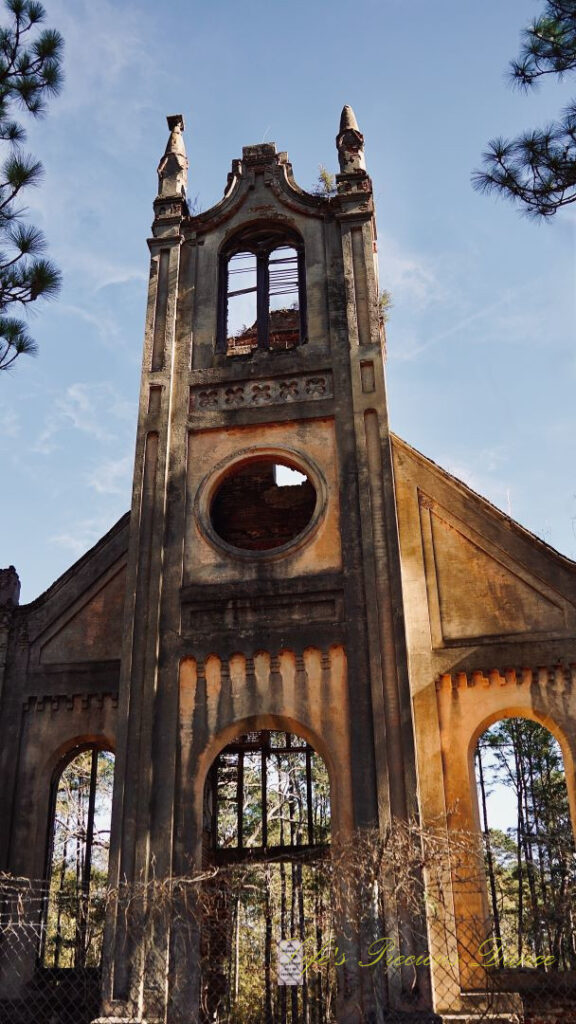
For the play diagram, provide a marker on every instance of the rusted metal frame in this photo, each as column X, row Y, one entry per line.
column 222, row 336
column 264, row 788
column 302, row 303
column 82, row 923
column 266, row 750
column 236, row 748
column 263, row 290
column 262, row 298
column 232, row 855
column 241, row 291
column 215, row 801
column 87, row 866
column 309, row 794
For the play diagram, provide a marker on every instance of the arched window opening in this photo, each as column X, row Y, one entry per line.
column 267, row 827
column 262, row 292
column 268, row 792
column 78, row 861
column 530, row 856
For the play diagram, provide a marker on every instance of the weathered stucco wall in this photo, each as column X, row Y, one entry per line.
column 212, row 453
column 60, row 691
column 491, row 633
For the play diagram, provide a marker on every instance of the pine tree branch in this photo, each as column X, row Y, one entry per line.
column 538, row 168
column 30, row 70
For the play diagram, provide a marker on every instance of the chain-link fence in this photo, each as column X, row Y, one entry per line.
column 382, row 930
column 32, row 923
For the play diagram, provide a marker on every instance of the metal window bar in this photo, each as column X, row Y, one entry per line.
column 82, row 923
column 230, row 768
column 268, row 275
column 234, row 271
column 283, row 274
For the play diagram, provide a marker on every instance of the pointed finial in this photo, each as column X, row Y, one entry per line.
column 348, row 119
column 173, row 167
column 350, row 144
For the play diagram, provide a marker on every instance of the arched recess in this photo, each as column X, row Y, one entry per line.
column 468, row 703
column 267, row 829
column 77, row 855
column 306, row 693
column 529, row 852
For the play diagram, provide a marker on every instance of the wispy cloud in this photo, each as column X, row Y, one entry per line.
column 82, row 535
column 112, row 476
column 88, row 408
column 487, row 475
column 411, row 278
column 105, row 322
column 102, row 272
column 517, row 316
column 455, row 329
column 10, row 426
column 106, row 43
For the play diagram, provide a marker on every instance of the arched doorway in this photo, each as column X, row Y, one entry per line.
column 529, row 851
column 267, row 830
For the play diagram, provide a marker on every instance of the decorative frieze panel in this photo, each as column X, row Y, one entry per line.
column 559, row 678
column 273, row 391
column 276, row 611
column 169, row 210
column 71, row 702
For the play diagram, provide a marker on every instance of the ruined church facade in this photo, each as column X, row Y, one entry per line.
column 378, row 609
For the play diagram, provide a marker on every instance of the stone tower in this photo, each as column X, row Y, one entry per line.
column 250, row 604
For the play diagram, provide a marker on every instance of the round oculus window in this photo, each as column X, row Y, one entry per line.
column 261, row 505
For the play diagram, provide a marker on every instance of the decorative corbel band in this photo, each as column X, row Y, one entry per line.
column 71, row 702
column 559, row 678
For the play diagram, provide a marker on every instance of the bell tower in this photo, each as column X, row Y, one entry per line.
column 263, row 586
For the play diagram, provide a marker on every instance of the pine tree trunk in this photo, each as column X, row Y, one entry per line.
column 269, row 1015
column 488, row 847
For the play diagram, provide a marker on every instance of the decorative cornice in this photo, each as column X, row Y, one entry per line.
column 558, row 678
column 71, row 702
column 277, row 176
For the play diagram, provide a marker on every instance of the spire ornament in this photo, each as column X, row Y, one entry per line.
column 350, row 144
column 173, row 167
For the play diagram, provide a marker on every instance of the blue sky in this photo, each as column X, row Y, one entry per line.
column 482, row 361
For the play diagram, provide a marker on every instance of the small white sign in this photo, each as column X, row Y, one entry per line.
column 289, row 957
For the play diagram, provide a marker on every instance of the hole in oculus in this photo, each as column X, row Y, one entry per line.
column 262, row 505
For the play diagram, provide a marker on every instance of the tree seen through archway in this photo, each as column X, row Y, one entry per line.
column 267, row 826
column 530, row 862
column 78, row 861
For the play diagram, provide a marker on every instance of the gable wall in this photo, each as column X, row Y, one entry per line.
column 490, row 617
column 60, row 691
